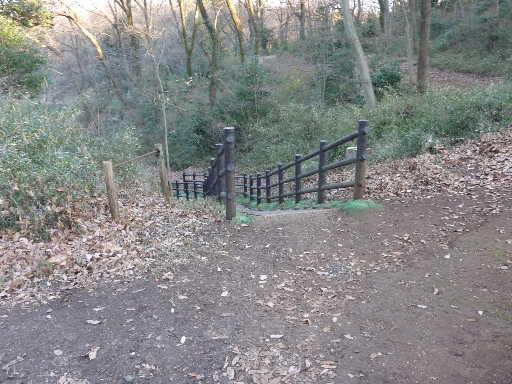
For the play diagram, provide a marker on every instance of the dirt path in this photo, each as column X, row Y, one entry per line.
column 419, row 292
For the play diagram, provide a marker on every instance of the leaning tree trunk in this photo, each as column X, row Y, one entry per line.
column 426, row 15
column 362, row 61
column 238, row 28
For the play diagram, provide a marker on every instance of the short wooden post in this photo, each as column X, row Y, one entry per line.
column 251, row 187
column 162, row 170
column 111, row 190
column 245, row 185
column 361, row 166
column 268, row 190
column 322, row 157
column 280, row 178
column 258, row 188
column 229, row 172
column 298, row 183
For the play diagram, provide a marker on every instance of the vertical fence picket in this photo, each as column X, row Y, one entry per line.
column 177, row 187
column 245, row 185
column 322, row 157
column 258, row 188
column 298, row 183
column 185, row 187
column 194, row 186
column 280, row 178
column 251, row 187
column 268, row 189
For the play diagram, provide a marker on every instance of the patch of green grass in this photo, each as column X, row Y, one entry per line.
column 354, row 207
column 350, row 207
column 241, row 219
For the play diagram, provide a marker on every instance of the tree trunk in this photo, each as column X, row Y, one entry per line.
column 215, row 48
column 384, row 15
column 424, row 48
column 410, row 42
column 302, row 20
column 238, row 28
column 188, row 45
column 362, row 61
column 73, row 18
column 253, row 26
column 414, row 28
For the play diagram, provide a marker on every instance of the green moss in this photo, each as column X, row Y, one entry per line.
column 355, row 207
column 241, row 220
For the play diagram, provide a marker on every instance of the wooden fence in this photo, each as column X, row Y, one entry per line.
column 277, row 185
column 111, row 185
column 284, row 182
column 191, row 186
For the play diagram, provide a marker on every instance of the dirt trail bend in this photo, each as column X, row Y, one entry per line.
column 419, row 292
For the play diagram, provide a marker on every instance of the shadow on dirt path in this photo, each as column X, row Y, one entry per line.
column 419, row 292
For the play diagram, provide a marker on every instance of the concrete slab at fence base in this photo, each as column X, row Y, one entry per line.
column 280, row 212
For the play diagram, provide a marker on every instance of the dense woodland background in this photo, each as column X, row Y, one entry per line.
column 80, row 84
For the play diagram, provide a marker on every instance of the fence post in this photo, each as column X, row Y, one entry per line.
column 207, row 181
column 194, row 185
column 280, row 178
column 162, row 170
column 245, row 185
column 111, row 190
column 251, row 187
column 185, row 186
column 361, row 165
column 220, row 168
column 211, row 183
column 322, row 157
column 268, row 190
column 258, row 188
column 177, row 186
column 229, row 172
column 298, row 171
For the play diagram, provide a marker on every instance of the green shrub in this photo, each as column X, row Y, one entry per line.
column 21, row 63
column 47, row 164
column 402, row 124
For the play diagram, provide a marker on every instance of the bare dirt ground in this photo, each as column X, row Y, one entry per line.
column 418, row 292
column 402, row 295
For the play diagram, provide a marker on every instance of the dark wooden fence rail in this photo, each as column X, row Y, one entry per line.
column 219, row 181
column 261, row 186
column 191, row 186
column 277, row 185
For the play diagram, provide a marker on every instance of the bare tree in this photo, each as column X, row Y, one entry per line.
column 238, row 28
column 362, row 61
column 384, row 15
column 127, row 8
column 73, row 18
column 188, row 43
column 214, row 52
column 424, row 48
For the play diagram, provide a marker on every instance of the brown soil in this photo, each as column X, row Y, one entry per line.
column 418, row 292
